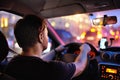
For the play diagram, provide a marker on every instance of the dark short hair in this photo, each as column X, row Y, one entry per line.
column 27, row 30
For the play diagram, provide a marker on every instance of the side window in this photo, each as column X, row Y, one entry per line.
column 7, row 22
column 49, row 46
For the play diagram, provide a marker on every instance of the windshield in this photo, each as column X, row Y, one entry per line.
column 79, row 28
column 71, row 28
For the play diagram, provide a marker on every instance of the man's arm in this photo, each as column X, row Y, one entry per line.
column 50, row 55
column 81, row 60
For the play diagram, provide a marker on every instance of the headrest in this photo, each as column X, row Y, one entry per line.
column 4, row 48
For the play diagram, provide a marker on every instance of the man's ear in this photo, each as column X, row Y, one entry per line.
column 41, row 37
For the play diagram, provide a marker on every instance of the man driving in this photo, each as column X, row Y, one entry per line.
column 32, row 36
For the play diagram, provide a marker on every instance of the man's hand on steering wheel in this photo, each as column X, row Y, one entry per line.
column 79, row 53
column 81, row 60
column 85, row 47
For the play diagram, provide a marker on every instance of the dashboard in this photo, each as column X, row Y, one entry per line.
column 109, row 66
column 109, row 71
column 111, row 56
column 103, row 64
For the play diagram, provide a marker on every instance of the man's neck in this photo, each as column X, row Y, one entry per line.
column 33, row 51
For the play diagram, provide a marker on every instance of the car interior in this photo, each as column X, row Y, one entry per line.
column 3, row 53
column 70, row 23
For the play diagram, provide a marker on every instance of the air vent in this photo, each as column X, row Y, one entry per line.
column 106, row 56
column 117, row 58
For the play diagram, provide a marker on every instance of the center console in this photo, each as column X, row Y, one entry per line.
column 109, row 71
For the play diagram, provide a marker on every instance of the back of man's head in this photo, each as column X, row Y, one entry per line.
column 27, row 30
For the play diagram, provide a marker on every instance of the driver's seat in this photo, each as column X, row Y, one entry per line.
column 4, row 76
column 4, row 49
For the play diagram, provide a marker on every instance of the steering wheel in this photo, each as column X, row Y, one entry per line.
column 73, row 51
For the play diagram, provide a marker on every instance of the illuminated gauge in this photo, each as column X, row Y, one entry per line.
column 92, row 55
column 106, row 56
column 117, row 57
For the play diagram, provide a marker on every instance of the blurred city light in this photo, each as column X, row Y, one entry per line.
column 82, row 36
column 90, row 38
column 4, row 22
column 92, row 29
column 53, row 23
column 112, row 32
column 99, row 35
column 116, row 37
column 78, row 38
column 67, row 25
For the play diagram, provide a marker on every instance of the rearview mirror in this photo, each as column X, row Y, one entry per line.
column 106, row 20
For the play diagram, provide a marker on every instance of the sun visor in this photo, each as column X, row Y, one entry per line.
column 62, row 11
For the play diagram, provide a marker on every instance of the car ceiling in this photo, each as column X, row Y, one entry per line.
column 55, row 8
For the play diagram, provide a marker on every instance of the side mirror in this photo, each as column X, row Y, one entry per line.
column 106, row 20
